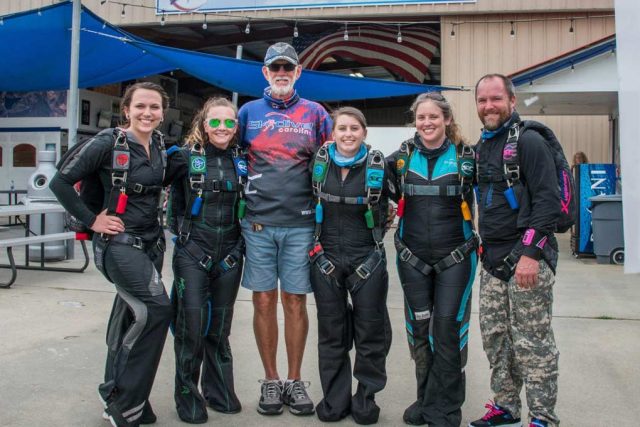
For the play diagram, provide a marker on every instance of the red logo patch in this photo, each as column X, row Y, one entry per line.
column 122, row 159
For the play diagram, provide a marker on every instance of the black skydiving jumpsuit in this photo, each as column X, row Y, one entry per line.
column 437, row 305
column 347, row 243
column 132, row 261
column 207, row 265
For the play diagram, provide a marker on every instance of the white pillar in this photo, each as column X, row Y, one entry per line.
column 234, row 98
column 628, row 39
column 72, row 99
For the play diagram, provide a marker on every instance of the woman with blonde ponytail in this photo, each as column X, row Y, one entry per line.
column 436, row 248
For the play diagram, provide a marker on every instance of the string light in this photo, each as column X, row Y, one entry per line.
column 512, row 33
column 204, row 23
column 162, row 20
column 295, row 29
column 124, row 12
column 1, row 21
column 346, row 32
column 573, row 68
column 399, row 34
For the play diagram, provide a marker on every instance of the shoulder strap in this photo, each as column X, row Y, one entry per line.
column 510, row 159
column 466, row 164
column 197, row 173
column 374, row 178
column 402, row 166
column 320, row 168
column 120, row 162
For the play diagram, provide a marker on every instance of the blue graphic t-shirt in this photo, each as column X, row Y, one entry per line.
column 281, row 137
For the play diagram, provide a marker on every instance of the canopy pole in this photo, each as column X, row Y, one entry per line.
column 72, row 102
column 234, row 97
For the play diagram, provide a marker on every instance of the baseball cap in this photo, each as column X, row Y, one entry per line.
column 281, row 50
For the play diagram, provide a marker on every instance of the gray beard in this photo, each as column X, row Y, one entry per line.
column 281, row 91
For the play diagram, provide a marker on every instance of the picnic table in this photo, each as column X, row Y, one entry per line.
column 31, row 238
column 12, row 199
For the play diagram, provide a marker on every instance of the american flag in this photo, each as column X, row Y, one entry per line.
column 371, row 45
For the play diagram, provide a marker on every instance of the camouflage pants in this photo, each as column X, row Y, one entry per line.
column 517, row 337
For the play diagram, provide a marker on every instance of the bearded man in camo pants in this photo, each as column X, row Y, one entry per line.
column 516, row 224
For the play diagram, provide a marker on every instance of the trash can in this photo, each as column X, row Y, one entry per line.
column 608, row 236
column 38, row 192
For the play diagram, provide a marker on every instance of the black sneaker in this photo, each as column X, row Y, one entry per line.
column 296, row 397
column 148, row 416
column 496, row 416
column 537, row 423
column 270, row 397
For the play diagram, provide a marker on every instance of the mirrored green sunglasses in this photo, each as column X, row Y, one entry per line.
column 228, row 123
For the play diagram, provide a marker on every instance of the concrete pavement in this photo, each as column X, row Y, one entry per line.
column 52, row 352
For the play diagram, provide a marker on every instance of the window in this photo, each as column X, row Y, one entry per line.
column 24, row 156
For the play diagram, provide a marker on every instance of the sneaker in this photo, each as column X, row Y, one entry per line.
column 537, row 423
column 296, row 397
column 496, row 416
column 270, row 397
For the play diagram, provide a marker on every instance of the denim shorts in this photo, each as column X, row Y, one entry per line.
column 277, row 253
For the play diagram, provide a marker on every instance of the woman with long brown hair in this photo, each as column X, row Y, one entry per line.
column 436, row 248
column 126, row 167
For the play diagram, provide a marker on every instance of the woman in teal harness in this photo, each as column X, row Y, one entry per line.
column 206, row 196
column 348, row 259
column 436, row 257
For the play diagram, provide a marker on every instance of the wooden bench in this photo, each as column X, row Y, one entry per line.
column 34, row 240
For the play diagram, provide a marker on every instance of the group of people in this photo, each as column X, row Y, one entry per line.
column 281, row 196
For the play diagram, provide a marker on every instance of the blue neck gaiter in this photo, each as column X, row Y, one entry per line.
column 280, row 104
column 489, row 134
column 346, row 162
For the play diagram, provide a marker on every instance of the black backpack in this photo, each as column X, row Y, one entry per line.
column 566, row 185
column 91, row 191
column 90, row 188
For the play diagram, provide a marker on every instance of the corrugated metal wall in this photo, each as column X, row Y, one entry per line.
column 480, row 47
column 137, row 15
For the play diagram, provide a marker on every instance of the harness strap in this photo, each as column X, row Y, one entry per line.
column 456, row 256
column 361, row 274
column 317, row 256
column 365, row 270
column 120, row 162
column 134, row 187
column 405, row 255
column 217, row 186
column 361, row 200
column 510, row 161
column 491, row 178
column 134, row 241
column 206, row 262
column 431, row 190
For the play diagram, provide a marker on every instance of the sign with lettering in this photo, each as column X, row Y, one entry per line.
column 189, row 6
